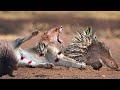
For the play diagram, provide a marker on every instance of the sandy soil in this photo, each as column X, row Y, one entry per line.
column 70, row 23
column 59, row 72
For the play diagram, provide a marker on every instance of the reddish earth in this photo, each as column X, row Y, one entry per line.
column 104, row 27
column 59, row 72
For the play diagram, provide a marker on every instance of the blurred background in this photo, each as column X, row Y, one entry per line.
column 15, row 24
column 105, row 23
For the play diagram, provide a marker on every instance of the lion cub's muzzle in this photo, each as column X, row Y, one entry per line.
column 41, row 54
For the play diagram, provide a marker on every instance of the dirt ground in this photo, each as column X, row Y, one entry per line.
column 59, row 72
column 107, row 29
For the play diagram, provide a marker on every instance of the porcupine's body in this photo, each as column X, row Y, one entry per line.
column 8, row 60
column 86, row 48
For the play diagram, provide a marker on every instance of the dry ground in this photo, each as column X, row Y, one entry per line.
column 107, row 26
column 59, row 72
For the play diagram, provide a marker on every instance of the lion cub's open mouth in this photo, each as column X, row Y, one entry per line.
column 41, row 54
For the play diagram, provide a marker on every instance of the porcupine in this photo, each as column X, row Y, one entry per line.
column 85, row 47
column 8, row 60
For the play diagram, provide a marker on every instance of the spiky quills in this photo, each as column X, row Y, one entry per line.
column 85, row 47
column 79, row 44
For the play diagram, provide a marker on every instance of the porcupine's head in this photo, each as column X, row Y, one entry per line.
column 86, row 48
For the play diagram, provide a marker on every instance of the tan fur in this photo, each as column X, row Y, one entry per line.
column 51, row 35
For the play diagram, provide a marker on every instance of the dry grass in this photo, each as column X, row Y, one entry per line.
column 114, row 15
column 13, row 15
column 14, row 24
column 8, row 37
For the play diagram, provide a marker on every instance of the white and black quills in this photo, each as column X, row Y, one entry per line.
column 8, row 60
column 86, row 48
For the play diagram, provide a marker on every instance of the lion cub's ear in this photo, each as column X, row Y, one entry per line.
column 56, row 29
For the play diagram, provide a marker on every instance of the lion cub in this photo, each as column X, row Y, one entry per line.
column 52, row 37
